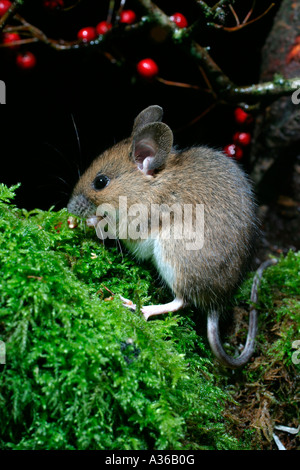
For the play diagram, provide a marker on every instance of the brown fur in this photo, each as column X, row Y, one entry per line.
column 198, row 175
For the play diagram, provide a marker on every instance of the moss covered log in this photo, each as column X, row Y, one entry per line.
column 82, row 371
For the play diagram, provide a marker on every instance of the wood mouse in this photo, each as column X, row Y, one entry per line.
column 147, row 170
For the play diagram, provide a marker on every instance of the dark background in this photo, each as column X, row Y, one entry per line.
column 74, row 104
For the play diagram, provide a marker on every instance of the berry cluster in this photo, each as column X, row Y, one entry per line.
column 241, row 139
column 89, row 33
column 146, row 68
column 24, row 60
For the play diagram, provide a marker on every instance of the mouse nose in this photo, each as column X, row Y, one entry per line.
column 81, row 206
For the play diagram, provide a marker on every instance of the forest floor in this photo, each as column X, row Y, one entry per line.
column 266, row 393
column 281, row 221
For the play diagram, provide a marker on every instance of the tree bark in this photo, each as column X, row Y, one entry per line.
column 277, row 131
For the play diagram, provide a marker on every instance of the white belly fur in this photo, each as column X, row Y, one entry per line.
column 150, row 249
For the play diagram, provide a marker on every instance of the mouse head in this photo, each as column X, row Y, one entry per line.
column 127, row 168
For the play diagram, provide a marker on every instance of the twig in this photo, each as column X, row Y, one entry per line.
column 197, row 118
column 241, row 25
column 19, row 42
column 106, row 288
column 10, row 12
column 221, row 3
column 217, row 77
column 249, row 12
column 122, row 4
column 234, row 14
column 111, row 8
column 205, row 8
column 252, row 21
column 207, row 82
column 74, row 5
column 182, row 85
column 39, row 278
column 41, row 36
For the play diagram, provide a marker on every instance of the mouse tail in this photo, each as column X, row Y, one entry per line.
column 213, row 332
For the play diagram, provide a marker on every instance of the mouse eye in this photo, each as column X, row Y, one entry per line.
column 100, row 182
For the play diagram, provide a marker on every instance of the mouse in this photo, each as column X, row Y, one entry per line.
column 191, row 212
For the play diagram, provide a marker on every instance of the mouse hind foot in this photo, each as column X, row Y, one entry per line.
column 152, row 310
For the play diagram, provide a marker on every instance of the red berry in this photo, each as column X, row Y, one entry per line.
column 242, row 138
column 53, row 4
column 147, row 68
column 4, row 6
column 103, row 27
column 10, row 37
column 58, row 227
column 233, row 150
column 179, row 19
column 87, row 34
column 242, row 117
column 127, row 16
column 26, row 60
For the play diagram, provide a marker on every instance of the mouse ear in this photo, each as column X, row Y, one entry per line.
column 147, row 116
column 151, row 146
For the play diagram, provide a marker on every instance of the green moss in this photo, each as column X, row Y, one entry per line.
column 82, row 371
column 279, row 306
column 267, row 390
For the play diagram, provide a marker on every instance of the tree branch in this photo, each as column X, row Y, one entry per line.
column 244, row 23
column 279, row 87
column 222, row 88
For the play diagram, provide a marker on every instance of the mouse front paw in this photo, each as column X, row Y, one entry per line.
column 128, row 303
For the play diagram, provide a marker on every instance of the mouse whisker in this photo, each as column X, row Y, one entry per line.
column 117, row 241
column 118, row 244
column 79, row 145
column 61, row 154
column 61, row 179
column 50, row 185
column 56, row 202
column 102, row 236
